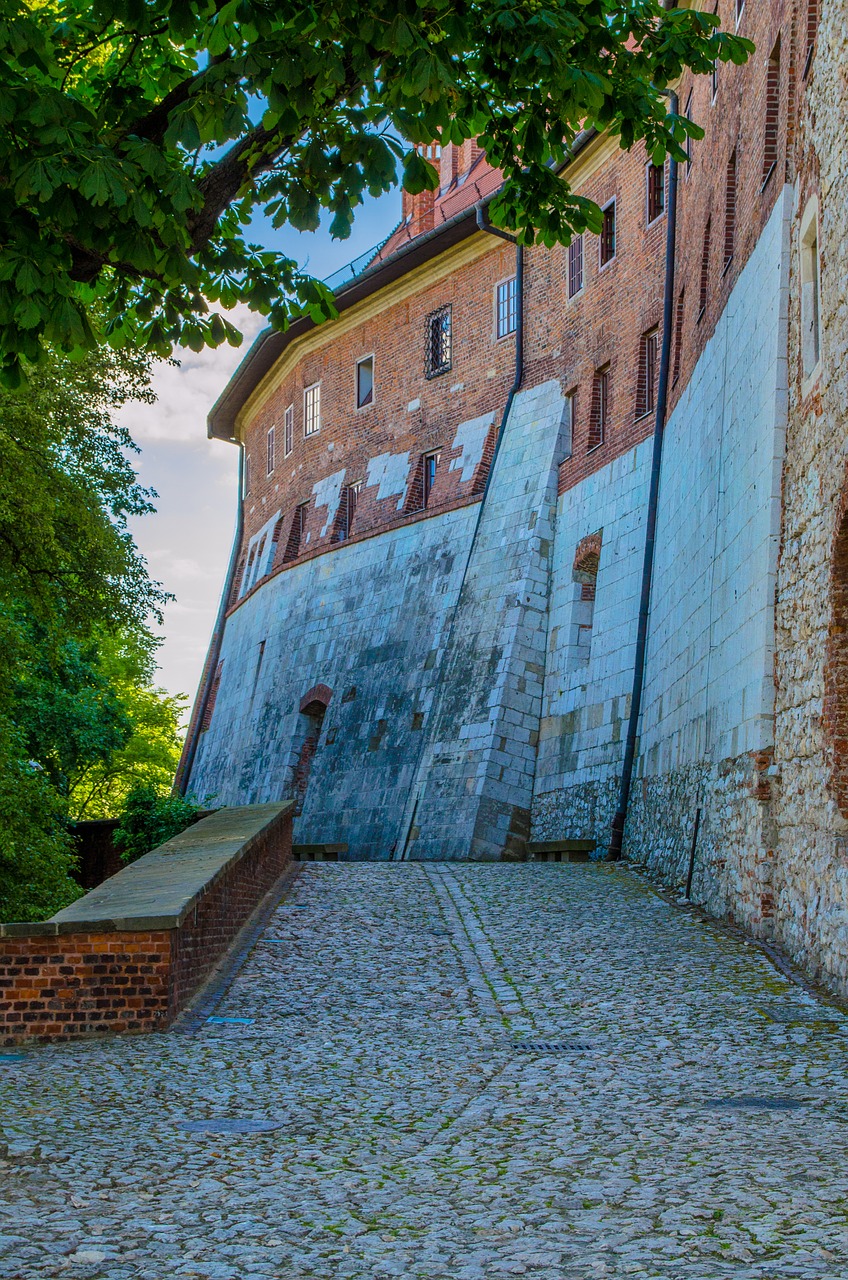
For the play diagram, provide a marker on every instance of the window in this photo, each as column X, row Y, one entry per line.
column 347, row 511
column 364, row 382
column 770, row 131
column 812, row 28
column 270, row 448
column 431, row 466
column 655, row 183
column 705, row 269
column 688, row 148
column 585, row 576
column 298, row 528
column 312, row 409
column 678, row 334
column 646, row 389
column 247, row 477
column 608, row 244
column 714, row 82
column 288, row 430
column 437, row 357
column 567, row 423
column 740, row 9
column 506, row 308
column 730, row 211
column 599, row 413
column 575, row 266
column 810, row 282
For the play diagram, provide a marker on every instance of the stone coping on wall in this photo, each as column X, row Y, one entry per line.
column 160, row 889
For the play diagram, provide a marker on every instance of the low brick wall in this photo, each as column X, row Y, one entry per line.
column 129, row 955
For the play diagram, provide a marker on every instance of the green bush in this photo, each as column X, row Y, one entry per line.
column 149, row 819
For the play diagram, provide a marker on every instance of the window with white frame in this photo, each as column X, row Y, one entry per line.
column 312, row 410
column 506, row 308
column 271, row 449
column 288, row 430
column 810, row 289
column 364, row 382
column 575, row 266
column 655, row 191
column 608, row 241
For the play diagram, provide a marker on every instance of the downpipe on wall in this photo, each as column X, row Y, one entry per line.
column 485, row 226
column 620, row 818
column 183, row 776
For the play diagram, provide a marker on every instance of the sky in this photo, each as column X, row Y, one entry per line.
column 187, row 542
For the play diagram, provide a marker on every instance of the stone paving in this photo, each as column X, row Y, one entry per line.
column 688, row 1119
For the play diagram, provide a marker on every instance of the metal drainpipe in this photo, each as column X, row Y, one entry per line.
column 190, row 750
column 617, row 833
column 516, row 386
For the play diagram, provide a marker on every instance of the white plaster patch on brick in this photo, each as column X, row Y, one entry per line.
column 390, row 472
column 327, row 494
column 471, row 439
column 260, row 553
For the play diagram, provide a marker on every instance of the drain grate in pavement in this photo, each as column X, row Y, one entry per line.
column 550, row 1046
column 227, row 1124
column 755, row 1102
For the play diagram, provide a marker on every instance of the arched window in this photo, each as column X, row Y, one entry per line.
column 587, row 559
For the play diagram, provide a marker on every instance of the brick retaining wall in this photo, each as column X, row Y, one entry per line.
column 82, row 973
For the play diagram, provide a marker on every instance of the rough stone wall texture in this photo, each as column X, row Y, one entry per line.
column 811, row 863
column 365, row 621
column 472, row 792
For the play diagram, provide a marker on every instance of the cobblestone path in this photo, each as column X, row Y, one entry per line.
column 691, row 1122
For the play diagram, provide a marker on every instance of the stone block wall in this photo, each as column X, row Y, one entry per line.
column 83, row 973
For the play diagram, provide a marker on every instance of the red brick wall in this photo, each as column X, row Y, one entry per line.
column 58, row 986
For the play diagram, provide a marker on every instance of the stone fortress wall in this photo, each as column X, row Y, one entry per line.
column 451, row 678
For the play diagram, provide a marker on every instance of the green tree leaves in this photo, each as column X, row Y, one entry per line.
column 139, row 138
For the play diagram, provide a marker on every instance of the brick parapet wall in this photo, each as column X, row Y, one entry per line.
column 59, row 980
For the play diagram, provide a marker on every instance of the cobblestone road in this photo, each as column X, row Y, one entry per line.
column 693, row 1121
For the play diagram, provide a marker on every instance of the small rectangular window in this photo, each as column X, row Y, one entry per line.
column 678, row 334
column 688, row 144
column 347, row 510
column 655, row 183
column 730, row 211
column 247, row 475
column 772, row 120
column 575, row 266
column 430, row 468
column 270, row 449
column 704, row 283
column 439, row 345
column 364, row 382
column 599, row 415
column 608, row 241
column 646, row 394
column 312, row 410
column 740, row 9
column 296, row 532
column 506, row 308
column 714, row 82
column 288, row 430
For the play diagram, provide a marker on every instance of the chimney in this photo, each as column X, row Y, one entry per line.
column 451, row 163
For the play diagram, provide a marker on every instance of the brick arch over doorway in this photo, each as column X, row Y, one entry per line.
column 313, row 708
column 835, row 717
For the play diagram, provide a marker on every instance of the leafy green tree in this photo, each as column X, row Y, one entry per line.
column 139, row 137
column 149, row 819
column 149, row 755
column 71, row 583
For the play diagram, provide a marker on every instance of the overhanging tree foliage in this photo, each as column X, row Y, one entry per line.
column 139, row 137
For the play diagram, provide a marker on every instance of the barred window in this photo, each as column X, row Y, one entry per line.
column 678, row 334
column 271, row 447
column 655, row 181
column 575, row 266
column 364, row 382
column 599, row 413
column 506, row 308
column 705, row 269
column 288, row 430
column 730, row 211
column 608, row 244
column 646, row 393
column 438, row 354
column 312, row 409
column 771, row 133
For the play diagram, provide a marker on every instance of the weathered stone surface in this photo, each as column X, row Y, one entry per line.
column 700, row 1136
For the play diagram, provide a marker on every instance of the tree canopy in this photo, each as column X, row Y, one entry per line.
column 138, row 138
